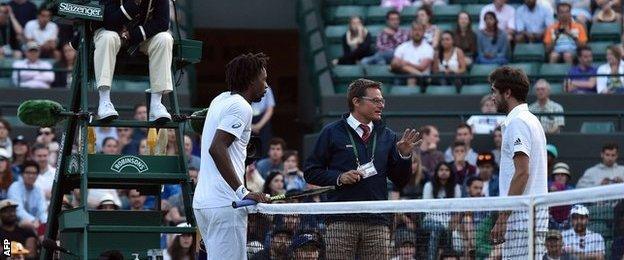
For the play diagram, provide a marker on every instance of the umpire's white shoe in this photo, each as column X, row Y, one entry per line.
column 107, row 112
column 158, row 114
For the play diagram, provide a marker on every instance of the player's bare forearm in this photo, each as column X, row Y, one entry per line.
column 218, row 150
column 521, row 176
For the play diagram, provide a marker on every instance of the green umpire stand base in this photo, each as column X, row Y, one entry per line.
column 109, row 230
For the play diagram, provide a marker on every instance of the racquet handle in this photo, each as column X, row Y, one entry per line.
column 243, row 203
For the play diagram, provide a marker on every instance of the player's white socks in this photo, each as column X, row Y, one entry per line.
column 156, row 98
column 104, row 94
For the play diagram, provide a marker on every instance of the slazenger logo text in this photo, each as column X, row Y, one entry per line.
column 81, row 9
column 129, row 161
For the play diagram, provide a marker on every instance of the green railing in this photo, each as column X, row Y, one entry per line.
column 463, row 116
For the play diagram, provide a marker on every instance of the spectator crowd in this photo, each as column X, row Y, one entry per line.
column 423, row 48
column 28, row 167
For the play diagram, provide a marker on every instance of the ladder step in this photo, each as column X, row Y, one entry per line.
column 139, row 229
column 135, row 178
column 134, row 124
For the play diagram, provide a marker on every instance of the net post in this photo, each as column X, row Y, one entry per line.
column 531, row 227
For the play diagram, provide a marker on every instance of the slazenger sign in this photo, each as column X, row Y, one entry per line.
column 129, row 161
column 81, row 10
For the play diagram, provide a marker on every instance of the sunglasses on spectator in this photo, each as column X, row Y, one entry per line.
column 484, row 157
column 582, row 243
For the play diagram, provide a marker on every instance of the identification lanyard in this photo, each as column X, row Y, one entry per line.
column 355, row 152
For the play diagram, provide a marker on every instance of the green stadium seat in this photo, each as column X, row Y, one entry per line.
column 367, row 2
column 446, row 27
column 529, row 68
column 474, row 10
column 6, row 82
column 441, row 90
column 377, row 14
column 136, row 86
column 334, row 51
column 341, row 14
column 405, row 90
column 315, row 41
column 374, row 30
column 408, row 14
column 338, row 2
column 556, row 88
column 6, row 64
column 599, row 50
column 347, row 73
column 605, row 32
column 334, row 33
column 597, row 127
column 528, row 52
column 14, row 121
column 320, row 62
column 311, row 22
column 379, row 73
column 445, row 13
column 341, row 88
column 477, row 89
column 554, row 72
column 480, row 72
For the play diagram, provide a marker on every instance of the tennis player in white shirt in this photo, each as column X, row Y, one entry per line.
column 523, row 159
column 226, row 133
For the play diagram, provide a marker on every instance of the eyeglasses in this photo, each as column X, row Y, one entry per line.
column 376, row 101
column 45, row 133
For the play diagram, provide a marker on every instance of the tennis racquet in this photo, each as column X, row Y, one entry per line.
column 294, row 195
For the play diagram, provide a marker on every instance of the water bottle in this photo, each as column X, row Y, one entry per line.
column 155, row 254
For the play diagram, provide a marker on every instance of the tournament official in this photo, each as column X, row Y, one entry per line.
column 358, row 153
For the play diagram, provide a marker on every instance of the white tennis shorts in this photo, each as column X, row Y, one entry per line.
column 224, row 231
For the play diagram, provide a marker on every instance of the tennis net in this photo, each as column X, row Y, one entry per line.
column 580, row 223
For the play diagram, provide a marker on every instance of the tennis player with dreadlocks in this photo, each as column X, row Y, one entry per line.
column 226, row 133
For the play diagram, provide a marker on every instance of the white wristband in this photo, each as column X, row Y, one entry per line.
column 241, row 192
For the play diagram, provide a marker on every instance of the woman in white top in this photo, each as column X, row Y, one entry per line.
column 424, row 15
column 442, row 186
column 614, row 66
column 450, row 60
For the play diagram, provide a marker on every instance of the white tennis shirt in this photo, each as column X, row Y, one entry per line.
column 522, row 132
column 230, row 113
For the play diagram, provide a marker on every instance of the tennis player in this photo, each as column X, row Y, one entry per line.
column 226, row 133
column 523, row 158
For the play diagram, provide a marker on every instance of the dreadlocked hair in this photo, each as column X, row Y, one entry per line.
column 241, row 71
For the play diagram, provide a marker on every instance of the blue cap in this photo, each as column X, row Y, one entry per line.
column 303, row 240
column 552, row 150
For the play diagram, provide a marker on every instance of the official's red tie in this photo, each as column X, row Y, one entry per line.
column 366, row 134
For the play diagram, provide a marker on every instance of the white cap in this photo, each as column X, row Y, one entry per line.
column 107, row 199
column 579, row 209
column 4, row 153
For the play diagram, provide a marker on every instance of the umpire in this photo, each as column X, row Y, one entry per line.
column 134, row 24
column 357, row 154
